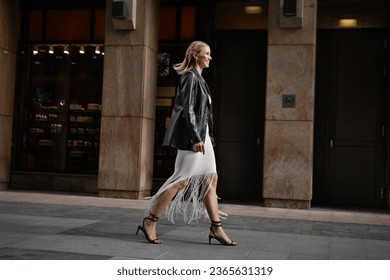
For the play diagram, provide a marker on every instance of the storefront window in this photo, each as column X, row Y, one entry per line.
column 60, row 109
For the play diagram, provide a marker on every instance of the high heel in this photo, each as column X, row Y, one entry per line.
column 153, row 218
column 216, row 237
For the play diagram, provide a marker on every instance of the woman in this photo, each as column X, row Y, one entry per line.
column 194, row 182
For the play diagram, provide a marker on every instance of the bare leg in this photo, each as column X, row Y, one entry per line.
column 211, row 203
column 211, row 200
column 163, row 200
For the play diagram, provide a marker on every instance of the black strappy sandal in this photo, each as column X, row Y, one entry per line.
column 153, row 218
column 213, row 235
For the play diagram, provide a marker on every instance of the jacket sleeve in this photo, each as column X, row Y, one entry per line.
column 189, row 91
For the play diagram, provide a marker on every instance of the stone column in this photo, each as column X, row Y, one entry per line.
column 128, row 104
column 9, row 10
column 288, row 151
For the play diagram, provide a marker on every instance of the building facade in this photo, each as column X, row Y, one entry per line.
column 300, row 92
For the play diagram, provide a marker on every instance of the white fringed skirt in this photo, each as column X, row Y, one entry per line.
column 199, row 170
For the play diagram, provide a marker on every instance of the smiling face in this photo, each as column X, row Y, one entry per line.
column 203, row 58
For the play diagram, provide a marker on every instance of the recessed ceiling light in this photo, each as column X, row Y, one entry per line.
column 348, row 22
column 253, row 10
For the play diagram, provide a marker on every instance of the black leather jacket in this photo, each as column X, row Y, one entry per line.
column 192, row 113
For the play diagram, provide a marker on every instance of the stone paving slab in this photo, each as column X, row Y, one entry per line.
column 31, row 254
column 31, row 230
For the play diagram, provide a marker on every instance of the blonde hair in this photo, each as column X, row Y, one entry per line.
column 189, row 59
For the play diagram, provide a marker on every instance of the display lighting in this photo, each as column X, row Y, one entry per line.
column 82, row 49
column 66, row 50
column 253, row 10
column 348, row 22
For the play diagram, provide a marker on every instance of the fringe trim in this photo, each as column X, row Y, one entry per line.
column 188, row 202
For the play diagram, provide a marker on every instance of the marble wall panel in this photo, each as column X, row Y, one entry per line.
column 150, row 84
column 125, row 37
column 7, row 82
column 5, row 148
column 9, row 24
column 152, row 22
column 292, row 36
column 146, row 155
column 290, row 70
column 9, row 28
column 130, row 81
column 146, row 31
column 288, row 160
column 123, row 81
column 119, row 155
column 288, row 144
column 128, row 105
column 126, row 157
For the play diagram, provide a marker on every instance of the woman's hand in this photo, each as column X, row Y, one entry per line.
column 200, row 147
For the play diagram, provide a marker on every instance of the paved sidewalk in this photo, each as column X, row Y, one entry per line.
column 44, row 226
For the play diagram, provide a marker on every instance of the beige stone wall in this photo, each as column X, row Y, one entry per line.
column 128, row 105
column 8, row 47
column 288, row 151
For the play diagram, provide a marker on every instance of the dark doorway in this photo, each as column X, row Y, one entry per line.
column 349, row 142
column 240, row 62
